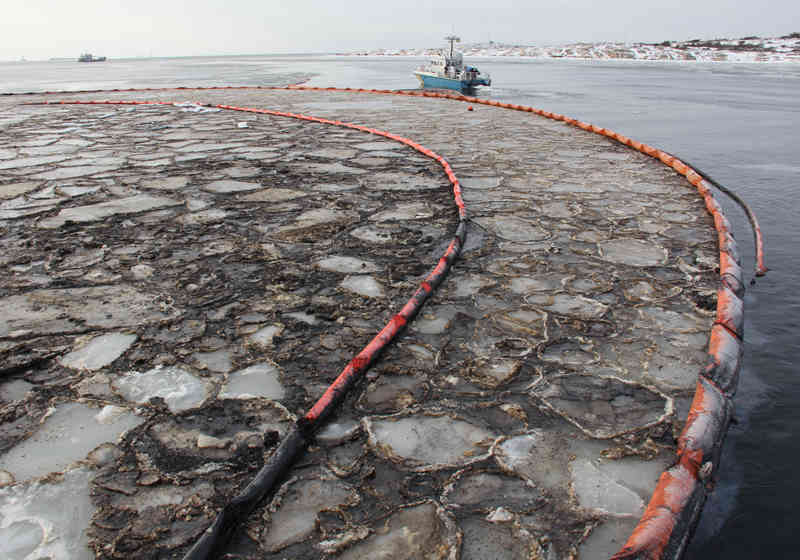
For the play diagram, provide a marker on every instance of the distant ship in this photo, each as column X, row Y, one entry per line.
column 86, row 57
column 450, row 72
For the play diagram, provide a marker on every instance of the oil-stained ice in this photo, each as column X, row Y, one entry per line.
column 258, row 380
column 335, row 433
column 99, row 352
column 392, row 393
column 486, row 491
column 512, row 419
column 363, row 285
column 41, row 520
column 218, row 360
column 387, row 181
column 373, row 234
column 67, row 435
column 563, row 304
column 607, row 538
column 295, row 512
column 604, row 407
column 96, row 212
column 409, row 211
column 597, row 491
column 274, row 195
column 484, row 539
column 633, row 252
column 180, row 389
column 536, row 457
column 226, row 186
column 347, row 265
column 73, row 310
column 512, row 228
column 419, row 531
column 425, row 441
column 316, row 217
column 265, row 337
column 14, row 389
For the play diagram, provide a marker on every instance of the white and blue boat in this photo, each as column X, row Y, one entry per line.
column 450, row 72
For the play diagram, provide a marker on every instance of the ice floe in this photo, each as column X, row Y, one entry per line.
column 66, row 435
column 99, row 351
column 180, row 389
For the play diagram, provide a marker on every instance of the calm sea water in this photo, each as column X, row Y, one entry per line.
column 738, row 122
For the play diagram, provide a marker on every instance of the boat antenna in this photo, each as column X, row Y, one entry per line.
column 452, row 39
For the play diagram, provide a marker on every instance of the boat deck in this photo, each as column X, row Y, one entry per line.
column 196, row 284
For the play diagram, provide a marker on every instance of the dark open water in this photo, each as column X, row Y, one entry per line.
column 738, row 122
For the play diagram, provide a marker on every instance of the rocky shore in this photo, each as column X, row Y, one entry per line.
column 182, row 283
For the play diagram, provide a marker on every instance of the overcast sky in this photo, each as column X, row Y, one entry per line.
column 41, row 29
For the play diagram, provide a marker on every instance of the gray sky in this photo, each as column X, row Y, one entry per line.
column 40, row 29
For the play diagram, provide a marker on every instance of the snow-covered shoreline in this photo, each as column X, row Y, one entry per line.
column 748, row 49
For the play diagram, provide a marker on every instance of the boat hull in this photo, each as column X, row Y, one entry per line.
column 438, row 82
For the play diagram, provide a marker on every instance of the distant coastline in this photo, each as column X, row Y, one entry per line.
column 746, row 49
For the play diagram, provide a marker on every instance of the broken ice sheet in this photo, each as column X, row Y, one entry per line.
column 303, row 317
column 406, row 211
column 67, row 435
column 13, row 190
column 180, row 389
column 335, row 433
column 47, row 520
column 512, row 228
column 257, row 380
column 266, row 337
column 95, row 212
column 468, row 286
column 425, row 441
column 162, row 495
column 373, row 234
column 392, row 393
column 483, row 539
column 536, row 456
column 74, row 309
column 608, row 538
column 603, row 407
column 363, row 285
column 429, row 323
column 671, row 321
column 493, row 373
column 416, row 531
column 227, row 186
column 597, row 491
column 99, row 352
column 565, row 304
column 316, row 217
column 347, row 265
column 218, row 361
column 633, row 252
column 14, row 389
column 166, row 183
column 294, row 514
column 20, row 207
column 391, row 181
column 484, row 491
column 274, row 195
column 203, row 217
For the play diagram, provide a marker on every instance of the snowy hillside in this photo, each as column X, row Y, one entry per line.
column 748, row 49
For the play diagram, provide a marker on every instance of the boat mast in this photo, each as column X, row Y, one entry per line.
column 452, row 39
